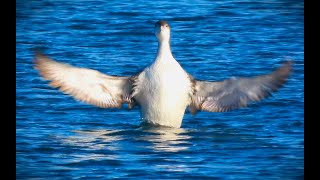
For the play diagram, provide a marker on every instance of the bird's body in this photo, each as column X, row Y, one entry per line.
column 162, row 90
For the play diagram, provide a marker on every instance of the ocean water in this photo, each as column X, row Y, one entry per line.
column 60, row 138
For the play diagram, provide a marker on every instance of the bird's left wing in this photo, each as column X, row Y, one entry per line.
column 87, row 85
column 236, row 92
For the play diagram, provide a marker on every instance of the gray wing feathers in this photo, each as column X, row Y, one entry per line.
column 237, row 92
column 86, row 85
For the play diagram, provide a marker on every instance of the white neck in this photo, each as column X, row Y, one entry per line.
column 164, row 51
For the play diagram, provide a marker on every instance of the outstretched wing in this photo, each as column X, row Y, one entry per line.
column 86, row 85
column 237, row 92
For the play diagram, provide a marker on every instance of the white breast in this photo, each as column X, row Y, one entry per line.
column 164, row 93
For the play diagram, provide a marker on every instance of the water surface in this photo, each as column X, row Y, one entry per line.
column 61, row 138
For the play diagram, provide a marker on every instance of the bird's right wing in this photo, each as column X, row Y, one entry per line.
column 236, row 92
column 86, row 85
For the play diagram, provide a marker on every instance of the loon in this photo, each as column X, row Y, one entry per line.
column 163, row 90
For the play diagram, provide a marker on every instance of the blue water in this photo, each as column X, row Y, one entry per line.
column 58, row 137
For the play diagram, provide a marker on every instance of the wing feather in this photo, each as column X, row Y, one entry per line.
column 237, row 92
column 87, row 85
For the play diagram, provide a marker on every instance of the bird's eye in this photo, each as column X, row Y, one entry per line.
column 166, row 25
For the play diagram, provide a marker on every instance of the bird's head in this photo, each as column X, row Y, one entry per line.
column 162, row 31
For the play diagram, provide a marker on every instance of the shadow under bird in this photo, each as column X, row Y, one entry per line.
column 162, row 90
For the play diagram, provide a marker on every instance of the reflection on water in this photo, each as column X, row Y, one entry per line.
column 104, row 146
column 162, row 139
column 167, row 139
column 93, row 139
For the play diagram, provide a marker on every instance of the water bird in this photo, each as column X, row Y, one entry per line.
column 164, row 90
